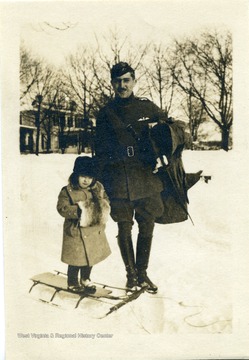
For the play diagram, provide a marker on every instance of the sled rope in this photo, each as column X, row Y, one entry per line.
column 199, row 312
column 180, row 303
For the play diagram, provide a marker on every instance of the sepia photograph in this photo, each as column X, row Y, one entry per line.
column 125, row 179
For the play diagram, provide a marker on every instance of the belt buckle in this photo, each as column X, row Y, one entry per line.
column 130, row 151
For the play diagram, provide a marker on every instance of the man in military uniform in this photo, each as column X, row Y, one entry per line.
column 127, row 160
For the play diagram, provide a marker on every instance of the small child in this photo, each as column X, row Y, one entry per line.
column 85, row 206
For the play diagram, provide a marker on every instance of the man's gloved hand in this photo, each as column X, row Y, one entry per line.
column 160, row 162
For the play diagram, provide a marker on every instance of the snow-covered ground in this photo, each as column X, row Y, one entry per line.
column 192, row 265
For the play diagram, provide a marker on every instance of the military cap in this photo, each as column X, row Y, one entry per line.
column 120, row 69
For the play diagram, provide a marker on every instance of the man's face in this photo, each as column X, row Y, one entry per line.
column 123, row 85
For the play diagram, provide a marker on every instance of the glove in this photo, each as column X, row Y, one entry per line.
column 160, row 162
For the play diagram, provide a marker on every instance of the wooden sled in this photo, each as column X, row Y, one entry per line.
column 58, row 281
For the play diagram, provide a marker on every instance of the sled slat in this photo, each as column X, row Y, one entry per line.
column 59, row 283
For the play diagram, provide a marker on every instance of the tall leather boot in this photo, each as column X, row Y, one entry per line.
column 127, row 253
column 142, row 261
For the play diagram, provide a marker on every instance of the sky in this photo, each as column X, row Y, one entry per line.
column 156, row 21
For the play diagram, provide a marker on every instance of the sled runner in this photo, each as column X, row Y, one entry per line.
column 58, row 281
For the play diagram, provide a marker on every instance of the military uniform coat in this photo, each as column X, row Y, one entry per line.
column 84, row 245
column 124, row 149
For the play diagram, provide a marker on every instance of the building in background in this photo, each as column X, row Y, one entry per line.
column 60, row 131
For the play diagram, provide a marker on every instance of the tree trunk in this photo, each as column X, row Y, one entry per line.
column 225, row 139
column 37, row 140
column 48, row 145
column 38, row 129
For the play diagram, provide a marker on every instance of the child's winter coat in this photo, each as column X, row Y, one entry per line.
column 86, row 244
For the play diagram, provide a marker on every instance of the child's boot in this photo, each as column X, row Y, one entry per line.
column 85, row 281
column 72, row 279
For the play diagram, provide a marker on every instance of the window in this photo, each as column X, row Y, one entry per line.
column 70, row 121
column 79, row 122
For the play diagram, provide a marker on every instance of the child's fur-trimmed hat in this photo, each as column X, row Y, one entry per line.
column 84, row 165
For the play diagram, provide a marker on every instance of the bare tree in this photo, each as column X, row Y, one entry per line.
column 203, row 68
column 160, row 82
column 111, row 49
column 58, row 107
column 30, row 69
column 195, row 114
column 40, row 86
column 52, row 116
column 46, row 91
column 80, row 80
